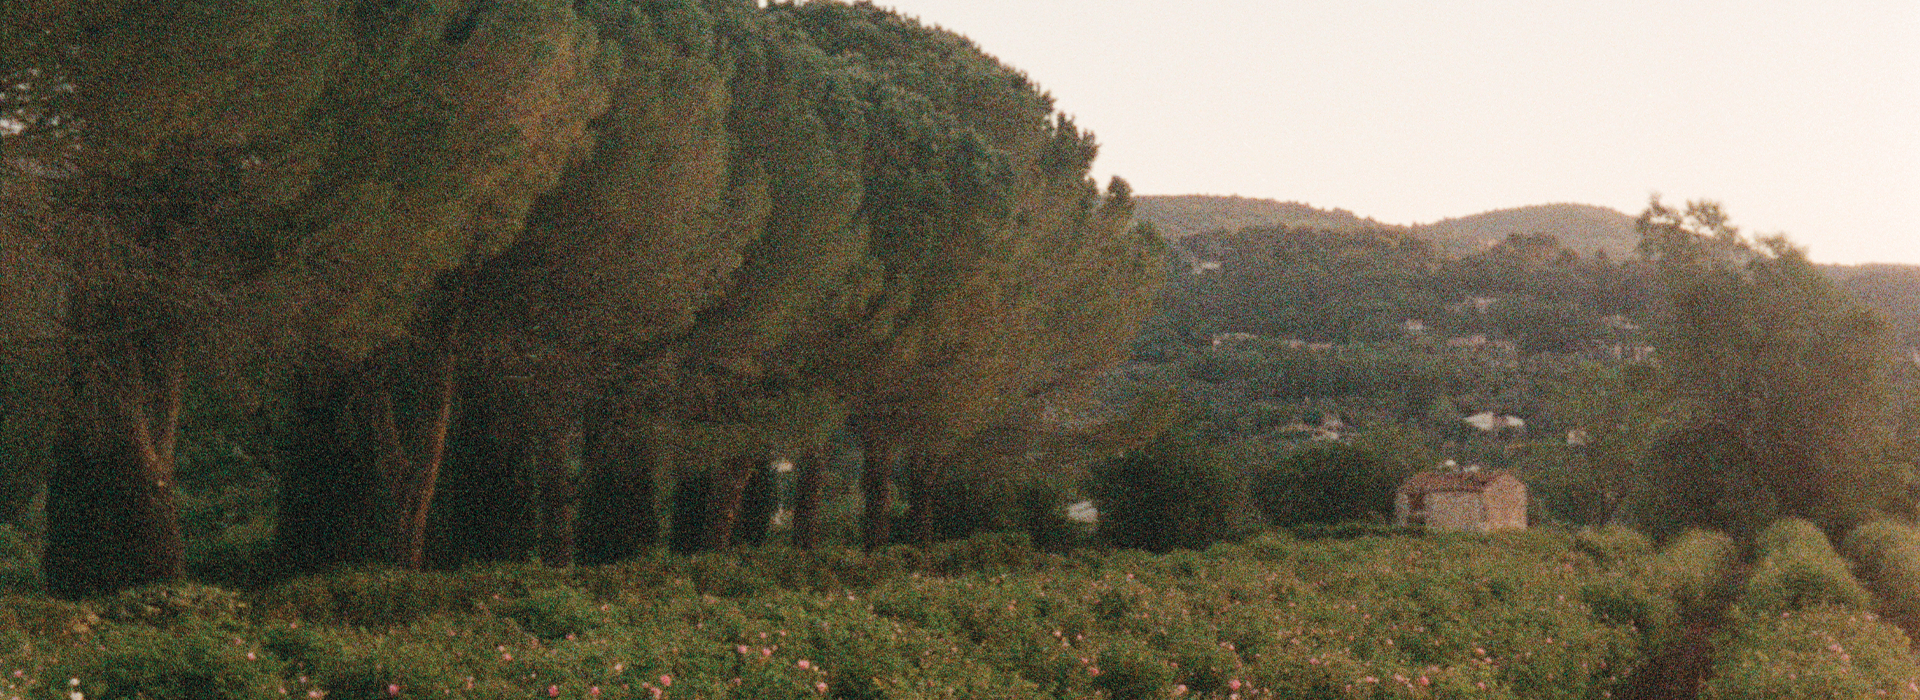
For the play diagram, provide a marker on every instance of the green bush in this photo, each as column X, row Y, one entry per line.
column 176, row 603
column 1693, row 567
column 1327, row 484
column 1174, row 493
column 990, row 552
column 1348, row 531
column 143, row 663
column 1040, row 509
column 1612, row 543
column 1500, row 616
column 1129, row 670
column 1818, row 652
column 1886, row 554
column 1798, row 568
column 554, row 613
column 19, row 562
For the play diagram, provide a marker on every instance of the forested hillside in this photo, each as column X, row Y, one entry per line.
column 1337, row 362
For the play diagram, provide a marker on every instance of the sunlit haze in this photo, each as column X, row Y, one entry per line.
column 1803, row 118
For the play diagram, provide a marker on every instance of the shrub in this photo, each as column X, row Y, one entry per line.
column 1348, row 531
column 143, row 663
column 1799, row 569
column 1613, row 543
column 554, row 613
column 1040, row 509
column 1693, row 567
column 19, row 562
column 1173, row 493
column 1327, row 484
column 1130, row 671
column 1818, row 652
column 994, row 552
column 43, row 617
column 175, row 603
column 1887, row 556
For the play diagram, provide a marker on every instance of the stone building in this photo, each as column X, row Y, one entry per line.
column 1473, row 501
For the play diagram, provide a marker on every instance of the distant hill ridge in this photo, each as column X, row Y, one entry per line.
column 1179, row 216
column 1581, row 227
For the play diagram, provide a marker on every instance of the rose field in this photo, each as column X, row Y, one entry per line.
column 1384, row 615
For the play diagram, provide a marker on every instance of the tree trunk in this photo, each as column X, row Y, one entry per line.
column 619, row 512
column 330, row 502
column 485, row 507
column 876, row 481
column 729, row 491
column 809, row 488
column 415, row 476
column 111, row 516
column 358, row 489
column 757, row 507
column 692, row 508
column 559, row 495
column 920, row 475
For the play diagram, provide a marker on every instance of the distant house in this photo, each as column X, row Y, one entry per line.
column 1327, row 431
column 1490, row 422
column 1471, row 501
column 1233, row 339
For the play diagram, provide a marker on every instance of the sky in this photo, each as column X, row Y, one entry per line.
column 1801, row 118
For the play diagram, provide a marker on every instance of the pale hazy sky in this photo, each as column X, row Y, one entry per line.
column 1801, row 117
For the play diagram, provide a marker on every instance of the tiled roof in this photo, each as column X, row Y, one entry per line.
column 1428, row 482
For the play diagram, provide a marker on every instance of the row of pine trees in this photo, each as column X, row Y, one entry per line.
column 489, row 264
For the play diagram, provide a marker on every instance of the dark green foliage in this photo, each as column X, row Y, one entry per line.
column 1612, row 543
column 1784, row 377
column 19, row 562
column 1797, row 569
column 1175, row 492
column 554, row 613
column 1133, row 672
column 988, row 618
column 142, row 663
column 461, row 266
column 1359, row 285
column 1886, row 557
column 1326, row 485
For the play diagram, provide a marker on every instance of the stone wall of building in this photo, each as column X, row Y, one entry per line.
column 1506, row 505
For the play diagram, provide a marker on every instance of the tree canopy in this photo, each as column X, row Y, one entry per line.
column 539, row 251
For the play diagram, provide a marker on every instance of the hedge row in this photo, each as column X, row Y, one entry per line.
column 1803, row 628
column 1511, row 616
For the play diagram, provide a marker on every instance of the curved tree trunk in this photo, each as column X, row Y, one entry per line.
column 365, row 463
column 111, row 516
column 415, row 475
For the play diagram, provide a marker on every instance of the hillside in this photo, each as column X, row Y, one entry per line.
column 1891, row 289
column 1178, row 216
column 1581, row 227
